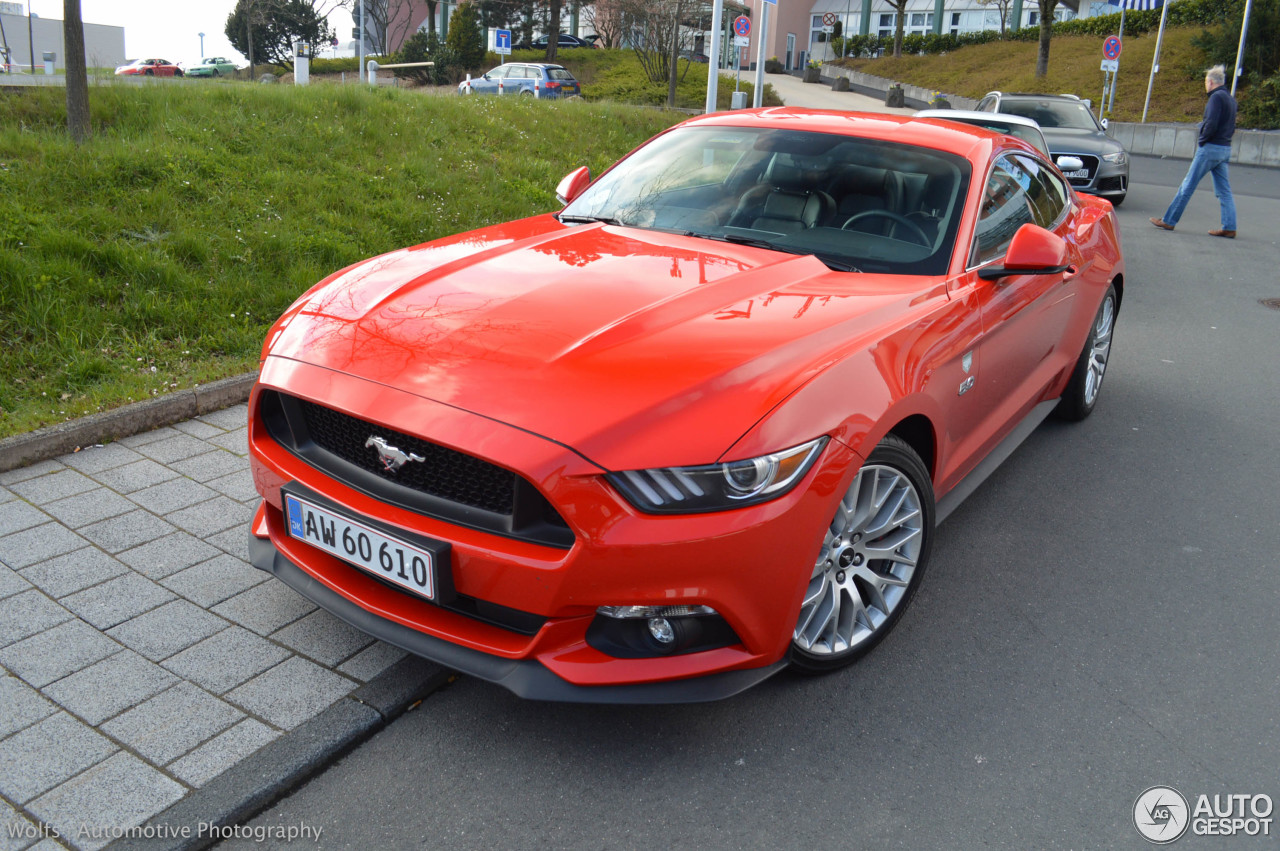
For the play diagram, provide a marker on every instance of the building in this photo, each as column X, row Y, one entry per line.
column 103, row 45
column 796, row 31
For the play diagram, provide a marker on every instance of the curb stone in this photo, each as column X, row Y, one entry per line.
column 52, row 441
column 266, row 776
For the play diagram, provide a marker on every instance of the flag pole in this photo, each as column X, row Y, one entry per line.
column 1244, row 31
column 1155, row 60
column 1111, row 104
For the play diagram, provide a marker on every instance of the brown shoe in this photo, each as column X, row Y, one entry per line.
column 1229, row 234
column 1162, row 224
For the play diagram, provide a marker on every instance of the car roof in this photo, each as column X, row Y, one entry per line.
column 957, row 138
column 1037, row 95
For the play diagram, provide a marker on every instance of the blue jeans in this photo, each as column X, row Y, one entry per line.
column 1209, row 159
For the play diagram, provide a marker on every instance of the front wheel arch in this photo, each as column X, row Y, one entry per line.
column 870, row 562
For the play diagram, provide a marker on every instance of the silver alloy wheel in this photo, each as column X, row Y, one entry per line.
column 868, row 557
column 1100, row 350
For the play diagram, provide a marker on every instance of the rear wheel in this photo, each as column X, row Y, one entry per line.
column 1086, row 380
column 872, row 560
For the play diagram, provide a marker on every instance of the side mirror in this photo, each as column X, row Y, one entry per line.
column 1033, row 251
column 1066, row 163
column 573, row 184
column 1105, row 123
column 486, row 75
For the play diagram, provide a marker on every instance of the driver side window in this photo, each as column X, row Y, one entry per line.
column 1005, row 208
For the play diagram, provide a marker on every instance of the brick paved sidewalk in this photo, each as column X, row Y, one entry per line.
column 141, row 654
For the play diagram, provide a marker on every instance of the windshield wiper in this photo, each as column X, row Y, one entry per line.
column 588, row 219
column 837, row 265
column 754, row 241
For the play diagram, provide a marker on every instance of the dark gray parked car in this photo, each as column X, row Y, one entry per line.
column 1071, row 129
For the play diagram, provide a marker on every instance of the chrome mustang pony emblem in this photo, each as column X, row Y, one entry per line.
column 392, row 458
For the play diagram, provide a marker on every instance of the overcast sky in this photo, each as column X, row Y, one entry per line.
column 169, row 29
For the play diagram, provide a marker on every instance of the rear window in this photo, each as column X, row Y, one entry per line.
column 559, row 74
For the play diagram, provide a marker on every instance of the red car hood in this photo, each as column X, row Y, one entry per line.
column 635, row 348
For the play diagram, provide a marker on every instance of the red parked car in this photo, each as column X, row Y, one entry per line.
column 149, row 68
column 696, row 426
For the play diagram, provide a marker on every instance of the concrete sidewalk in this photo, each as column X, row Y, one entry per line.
column 820, row 96
column 143, row 657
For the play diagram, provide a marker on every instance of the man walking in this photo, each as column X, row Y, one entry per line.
column 1211, row 157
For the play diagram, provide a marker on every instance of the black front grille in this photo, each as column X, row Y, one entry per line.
column 1090, row 165
column 443, row 472
column 445, row 483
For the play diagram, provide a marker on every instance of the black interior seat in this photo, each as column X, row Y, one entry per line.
column 862, row 189
column 784, row 202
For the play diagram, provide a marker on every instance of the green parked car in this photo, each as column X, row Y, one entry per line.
column 214, row 66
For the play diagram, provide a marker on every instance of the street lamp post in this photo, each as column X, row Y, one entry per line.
column 201, row 45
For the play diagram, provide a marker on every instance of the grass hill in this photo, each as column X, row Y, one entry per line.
column 1177, row 95
column 156, row 255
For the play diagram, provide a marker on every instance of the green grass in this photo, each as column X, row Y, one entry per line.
column 1178, row 93
column 156, row 255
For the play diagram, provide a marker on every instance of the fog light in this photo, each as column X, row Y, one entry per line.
column 662, row 631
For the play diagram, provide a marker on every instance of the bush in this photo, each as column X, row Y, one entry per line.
column 1260, row 105
column 426, row 47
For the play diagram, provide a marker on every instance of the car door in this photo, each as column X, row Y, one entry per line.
column 1024, row 317
column 524, row 83
column 487, row 84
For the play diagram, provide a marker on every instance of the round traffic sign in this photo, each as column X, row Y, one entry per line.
column 1111, row 47
column 829, row 19
column 742, row 25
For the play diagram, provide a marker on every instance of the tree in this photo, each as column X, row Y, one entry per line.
column 610, row 19
column 390, row 22
column 265, row 30
column 1046, row 33
column 77, row 74
column 1003, row 7
column 900, row 6
column 1261, row 49
column 464, row 39
column 553, row 30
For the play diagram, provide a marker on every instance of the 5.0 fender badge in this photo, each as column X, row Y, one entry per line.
column 392, row 458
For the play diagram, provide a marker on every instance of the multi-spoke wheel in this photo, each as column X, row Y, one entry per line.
column 1086, row 381
column 872, row 560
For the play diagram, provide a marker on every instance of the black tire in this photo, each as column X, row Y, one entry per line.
column 149, row 73
column 843, row 570
column 217, row 73
column 1116, row 200
column 177, row 73
column 1081, row 395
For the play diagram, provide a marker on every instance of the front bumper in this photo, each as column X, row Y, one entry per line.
column 751, row 565
column 526, row 678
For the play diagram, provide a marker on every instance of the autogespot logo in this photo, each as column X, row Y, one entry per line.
column 1160, row 814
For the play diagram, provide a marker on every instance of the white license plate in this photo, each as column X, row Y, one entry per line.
column 394, row 560
column 1084, row 172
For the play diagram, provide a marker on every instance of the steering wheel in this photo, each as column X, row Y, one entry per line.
column 897, row 218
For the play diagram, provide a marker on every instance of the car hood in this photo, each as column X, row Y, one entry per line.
column 635, row 348
column 1066, row 140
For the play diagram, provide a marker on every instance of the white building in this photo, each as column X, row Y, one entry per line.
column 103, row 45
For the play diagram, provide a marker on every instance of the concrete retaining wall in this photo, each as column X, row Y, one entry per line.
column 1248, row 147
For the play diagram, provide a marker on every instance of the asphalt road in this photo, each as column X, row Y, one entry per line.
column 1100, row 618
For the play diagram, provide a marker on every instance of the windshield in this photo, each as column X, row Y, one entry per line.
column 855, row 204
column 1052, row 113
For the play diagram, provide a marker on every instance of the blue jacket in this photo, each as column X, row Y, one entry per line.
column 1219, row 118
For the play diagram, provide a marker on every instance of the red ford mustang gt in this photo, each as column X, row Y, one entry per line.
column 698, row 425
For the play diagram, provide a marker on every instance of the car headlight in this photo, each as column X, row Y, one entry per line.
column 1119, row 157
column 717, row 487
